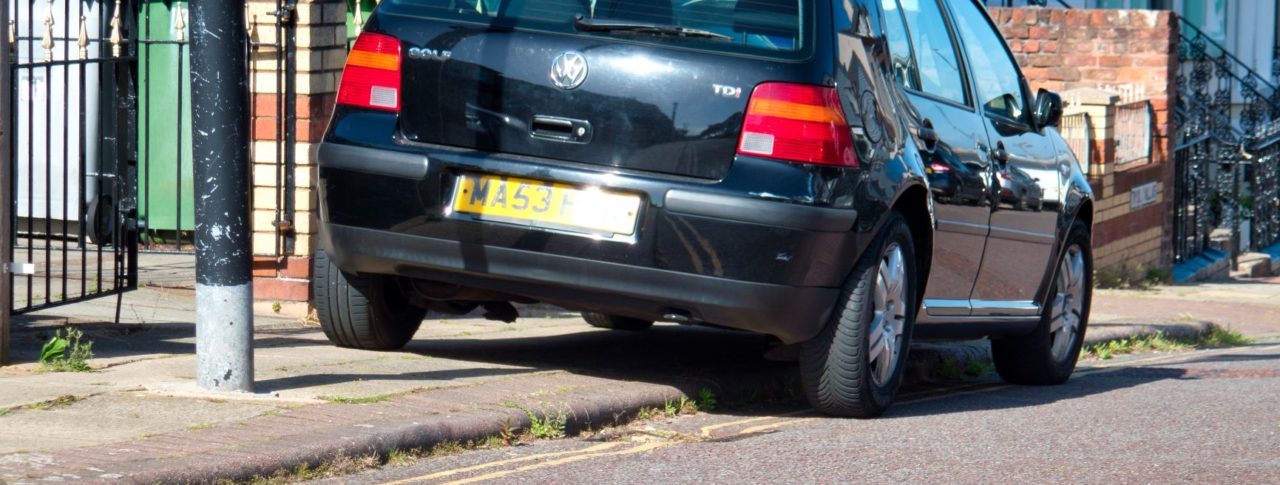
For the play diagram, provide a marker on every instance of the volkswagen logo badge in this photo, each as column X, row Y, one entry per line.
column 569, row 70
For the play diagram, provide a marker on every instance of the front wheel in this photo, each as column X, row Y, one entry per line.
column 854, row 366
column 1048, row 355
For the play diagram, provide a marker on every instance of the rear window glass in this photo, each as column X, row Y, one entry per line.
column 778, row 28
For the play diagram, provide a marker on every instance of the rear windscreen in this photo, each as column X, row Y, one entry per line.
column 763, row 27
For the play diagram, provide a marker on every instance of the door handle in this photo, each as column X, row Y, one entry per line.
column 928, row 135
column 1001, row 155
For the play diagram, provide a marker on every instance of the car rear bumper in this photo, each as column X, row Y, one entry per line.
column 701, row 252
column 792, row 314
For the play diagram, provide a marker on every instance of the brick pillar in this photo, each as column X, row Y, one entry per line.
column 319, row 46
column 1100, row 105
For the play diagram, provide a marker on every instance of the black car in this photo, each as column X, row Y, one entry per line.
column 753, row 164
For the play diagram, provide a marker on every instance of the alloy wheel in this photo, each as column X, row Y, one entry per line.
column 885, row 349
column 1068, row 304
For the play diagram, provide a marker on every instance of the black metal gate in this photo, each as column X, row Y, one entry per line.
column 73, row 154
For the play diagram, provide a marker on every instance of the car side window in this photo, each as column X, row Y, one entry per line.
column 904, row 64
column 936, row 58
column 995, row 73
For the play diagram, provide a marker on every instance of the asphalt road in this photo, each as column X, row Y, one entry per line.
column 1202, row 416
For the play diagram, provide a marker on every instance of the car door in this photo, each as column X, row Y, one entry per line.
column 1023, row 227
column 952, row 141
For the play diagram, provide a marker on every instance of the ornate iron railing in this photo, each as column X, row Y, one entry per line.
column 1227, row 149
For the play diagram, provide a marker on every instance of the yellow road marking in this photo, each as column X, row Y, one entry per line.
column 771, row 426
column 705, row 431
column 496, row 475
column 442, row 474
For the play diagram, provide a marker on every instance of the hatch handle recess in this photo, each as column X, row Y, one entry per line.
column 560, row 129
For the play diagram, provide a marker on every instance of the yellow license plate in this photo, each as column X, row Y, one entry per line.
column 546, row 204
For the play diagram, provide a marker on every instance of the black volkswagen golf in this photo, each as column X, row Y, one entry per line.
column 762, row 165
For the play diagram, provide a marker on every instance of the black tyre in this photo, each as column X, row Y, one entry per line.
column 1048, row 355
column 615, row 322
column 854, row 366
column 362, row 312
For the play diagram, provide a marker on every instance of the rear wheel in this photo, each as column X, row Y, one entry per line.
column 854, row 366
column 1048, row 355
column 362, row 312
column 614, row 322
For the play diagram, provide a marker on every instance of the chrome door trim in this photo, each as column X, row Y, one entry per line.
column 1001, row 308
column 940, row 307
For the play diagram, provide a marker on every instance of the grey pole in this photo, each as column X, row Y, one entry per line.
column 220, row 145
column 6, row 199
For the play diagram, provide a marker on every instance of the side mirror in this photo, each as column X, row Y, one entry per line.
column 1048, row 109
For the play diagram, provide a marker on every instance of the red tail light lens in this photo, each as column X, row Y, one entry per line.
column 372, row 76
column 798, row 123
column 939, row 168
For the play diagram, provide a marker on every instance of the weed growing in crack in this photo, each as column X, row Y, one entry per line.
column 508, row 434
column 53, row 403
column 356, row 400
column 706, row 400
column 549, row 425
column 66, row 351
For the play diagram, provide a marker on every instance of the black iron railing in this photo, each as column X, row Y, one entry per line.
column 1228, row 124
column 73, row 152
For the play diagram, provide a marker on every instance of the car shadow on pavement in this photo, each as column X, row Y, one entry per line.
column 316, row 380
column 1001, row 397
column 657, row 354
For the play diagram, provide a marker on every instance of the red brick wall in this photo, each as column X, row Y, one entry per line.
column 1116, row 50
column 319, row 53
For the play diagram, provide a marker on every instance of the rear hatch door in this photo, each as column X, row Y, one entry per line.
column 638, row 85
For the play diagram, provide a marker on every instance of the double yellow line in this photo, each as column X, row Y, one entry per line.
column 591, row 452
column 601, row 450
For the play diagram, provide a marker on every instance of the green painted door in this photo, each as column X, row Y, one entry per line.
column 165, row 188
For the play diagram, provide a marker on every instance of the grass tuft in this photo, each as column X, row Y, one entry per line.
column 1159, row 342
column 356, row 400
column 66, row 400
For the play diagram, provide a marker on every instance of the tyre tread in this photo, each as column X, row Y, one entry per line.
column 354, row 313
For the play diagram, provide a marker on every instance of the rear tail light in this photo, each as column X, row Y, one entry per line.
column 939, row 168
column 372, row 76
column 798, row 123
